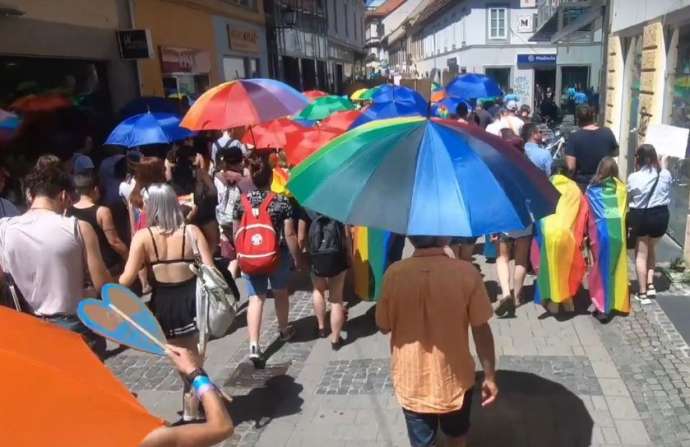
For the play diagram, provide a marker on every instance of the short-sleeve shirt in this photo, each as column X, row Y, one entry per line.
column 279, row 209
column 641, row 183
column 539, row 157
column 428, row 302
column 589, row 147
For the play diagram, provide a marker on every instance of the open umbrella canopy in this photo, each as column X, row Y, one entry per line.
column 390, row 101
column 61, row 393
column 148, row 128
column 272, row 134
column 41, row 103
column 341, row 121
column 357, row 94
column 420, row 176
column 369, row 94
column 311, row 95
column 473, row 86
column 324, row 107
column 245, row 102
column 302, row 144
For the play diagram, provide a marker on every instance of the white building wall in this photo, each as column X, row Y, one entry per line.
column 627, row 13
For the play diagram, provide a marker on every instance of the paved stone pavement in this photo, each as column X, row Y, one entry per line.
column 563, row 382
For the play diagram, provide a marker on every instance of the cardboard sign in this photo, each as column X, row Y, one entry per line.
column 668, row 140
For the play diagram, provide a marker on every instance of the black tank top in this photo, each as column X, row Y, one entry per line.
column 110, row 257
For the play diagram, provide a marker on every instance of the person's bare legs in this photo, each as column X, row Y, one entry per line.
column 651, row 259
column 319, row 300
column 255, row 311
column 503, row 267
column 454, row 442
column 282, row 303
column 211, row 232
column 336, row 285
column 190, row 403
column 641, row 263
column 521, row 261
column 466, row 252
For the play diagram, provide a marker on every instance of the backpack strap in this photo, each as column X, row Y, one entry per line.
column 267, row 202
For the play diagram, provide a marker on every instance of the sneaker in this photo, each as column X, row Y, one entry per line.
column 287, row 334
column 651, row 291
column 642, row 298
column 255, row 355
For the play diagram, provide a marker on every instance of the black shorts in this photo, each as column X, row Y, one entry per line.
column 422, row 428
column 652, row 222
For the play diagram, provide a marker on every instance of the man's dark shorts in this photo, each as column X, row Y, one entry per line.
column 422, row 428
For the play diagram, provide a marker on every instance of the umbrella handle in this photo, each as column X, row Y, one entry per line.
column 253, row 137
column 138, row 327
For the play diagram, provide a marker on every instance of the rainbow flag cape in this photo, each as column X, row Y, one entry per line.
column 608, row 278
column 556, row 252
column 374, row 250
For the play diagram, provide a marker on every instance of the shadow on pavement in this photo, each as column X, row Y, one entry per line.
column 530, row 411
column 361, row 326
column 279, row 396
column 582, row 303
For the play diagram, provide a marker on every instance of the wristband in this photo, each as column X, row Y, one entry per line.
column 201, row 385
column 194, row 374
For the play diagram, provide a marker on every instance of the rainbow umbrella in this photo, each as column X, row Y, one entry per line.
column 148, row 128
column 437, row 92
column 312, row 95
column 390, row 101
column 272, row 134
column 341, row 121
column 302, row 144
column 357, row 95
column 245, row 102
column 324, row 107
column 420, row 176
column 369, row 94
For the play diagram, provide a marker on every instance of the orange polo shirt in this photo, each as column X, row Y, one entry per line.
column 428, row 303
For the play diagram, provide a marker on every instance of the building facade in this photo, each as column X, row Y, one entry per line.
column 380, row 24
column 315, row 44
column 648, row 92
column 67, row 46
column 443, row 38
column 199, row 43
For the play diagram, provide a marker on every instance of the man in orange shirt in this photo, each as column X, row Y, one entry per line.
column 428, row 303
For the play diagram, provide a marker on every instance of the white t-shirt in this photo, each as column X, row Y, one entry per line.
column 640, row 184
column 126, row 189
column 496, row 127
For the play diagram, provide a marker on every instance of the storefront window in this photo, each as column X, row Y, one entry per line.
column 501, row 76
column 678, row 114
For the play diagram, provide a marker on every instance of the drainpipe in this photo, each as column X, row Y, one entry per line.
column 603, row 87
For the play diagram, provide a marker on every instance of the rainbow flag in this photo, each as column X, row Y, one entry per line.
column 374, row 250
column 608, row 278
column 556, row 252
column 280, row 180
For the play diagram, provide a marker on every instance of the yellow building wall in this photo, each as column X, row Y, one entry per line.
column 183, row 24
column 92, row 13
column 615, row 67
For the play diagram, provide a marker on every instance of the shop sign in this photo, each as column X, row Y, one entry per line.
column 134, row 44
column 536, row 60
column 184, row 60
column 243, row 40
column 526, row 24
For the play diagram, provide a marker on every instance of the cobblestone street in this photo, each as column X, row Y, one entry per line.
column 563, row 382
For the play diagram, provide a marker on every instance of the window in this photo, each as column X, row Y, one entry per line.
column 347, row 28
column 335, row 16
column 500, row 75
column 498, row 23
column 240, row 68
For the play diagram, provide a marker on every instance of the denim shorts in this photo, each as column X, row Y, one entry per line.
column 422, row 428
column 278, row 278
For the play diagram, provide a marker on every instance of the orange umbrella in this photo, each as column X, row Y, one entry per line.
column 313, row 94
column 341, row 121
column 41, row 103
column 302, row 144
column 59, row 393
column 271, row 134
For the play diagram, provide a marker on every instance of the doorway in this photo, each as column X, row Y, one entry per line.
column 544, row 85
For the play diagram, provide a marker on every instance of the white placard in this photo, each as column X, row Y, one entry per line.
column 668, row 140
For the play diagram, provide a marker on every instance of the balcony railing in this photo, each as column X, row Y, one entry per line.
column 546, row 9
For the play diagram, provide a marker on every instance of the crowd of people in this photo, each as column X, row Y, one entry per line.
column 140, row 218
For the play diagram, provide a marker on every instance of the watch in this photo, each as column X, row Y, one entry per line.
column 194, row 374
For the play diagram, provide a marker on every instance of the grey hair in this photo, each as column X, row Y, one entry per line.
column 162, row 208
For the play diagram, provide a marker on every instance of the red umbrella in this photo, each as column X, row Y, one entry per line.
column 302, row 144
column 313, row 94
column 271, row 134
column 41, row 103
column 341, row 121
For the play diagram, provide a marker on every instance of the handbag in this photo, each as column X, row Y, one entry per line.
column 630, row 236
column 216, row 301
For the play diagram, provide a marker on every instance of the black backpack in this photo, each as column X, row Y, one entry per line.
column 326, row 247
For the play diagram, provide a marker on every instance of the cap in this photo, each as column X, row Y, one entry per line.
column 512, row 105
column 82, row 164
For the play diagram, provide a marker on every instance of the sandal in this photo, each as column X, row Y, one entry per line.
column 651, row 291
column 287, row 334
column 506, row 307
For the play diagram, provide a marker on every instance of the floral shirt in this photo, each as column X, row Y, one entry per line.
column 279, row 209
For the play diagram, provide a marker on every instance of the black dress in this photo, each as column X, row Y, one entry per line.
column 110, row 257
column 173, row 303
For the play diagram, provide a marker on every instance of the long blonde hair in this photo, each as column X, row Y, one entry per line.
column 607, row 168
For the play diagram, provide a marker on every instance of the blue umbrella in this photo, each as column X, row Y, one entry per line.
column 148, row 128
column 473, row 86
column 451, row 104
column 420, row 176
column 391, row 101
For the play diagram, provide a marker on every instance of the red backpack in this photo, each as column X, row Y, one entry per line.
column 256, row 241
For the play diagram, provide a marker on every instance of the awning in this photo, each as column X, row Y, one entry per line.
column 582, row 21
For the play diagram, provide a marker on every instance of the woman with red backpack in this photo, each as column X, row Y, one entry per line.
column 265, row 239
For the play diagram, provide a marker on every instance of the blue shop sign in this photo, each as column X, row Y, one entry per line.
column 536, row 60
